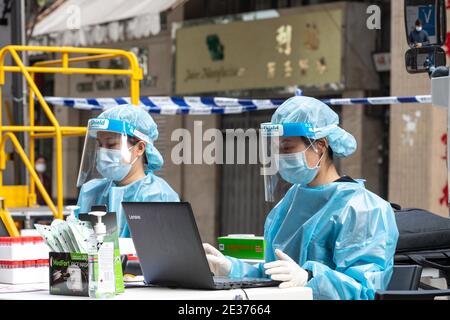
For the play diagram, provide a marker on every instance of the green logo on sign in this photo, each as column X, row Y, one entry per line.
column 216, row 49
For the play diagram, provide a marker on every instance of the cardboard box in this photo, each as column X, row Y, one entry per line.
column 69, row 274
column 242, row 247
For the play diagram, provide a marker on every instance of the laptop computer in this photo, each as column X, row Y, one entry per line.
column 170, row 250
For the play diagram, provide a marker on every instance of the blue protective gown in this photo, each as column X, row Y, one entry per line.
column 343, row 233
column 151, row 188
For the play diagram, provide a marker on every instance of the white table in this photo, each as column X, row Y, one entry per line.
column 180, row 294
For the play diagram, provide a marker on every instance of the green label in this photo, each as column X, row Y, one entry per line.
column 78, row 256
column 242, row 248
column 60, row 263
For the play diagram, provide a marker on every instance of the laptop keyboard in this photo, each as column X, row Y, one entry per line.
column 226, row 282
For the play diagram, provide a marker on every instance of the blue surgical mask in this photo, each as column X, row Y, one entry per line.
column 110, row 164
column 294, row 168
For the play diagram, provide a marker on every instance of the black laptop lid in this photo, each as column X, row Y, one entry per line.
column 168, row 244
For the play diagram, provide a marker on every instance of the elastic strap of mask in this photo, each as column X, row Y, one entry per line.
column 315, row 150
column 320, row 160
column 311, row 144
column 134, row 161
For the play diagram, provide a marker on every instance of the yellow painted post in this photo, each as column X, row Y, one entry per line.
column 135, row 92
column 2, row 67
column 27, row 163
column 32, row 85
column 56, row 131
column 59, row 168
column 7, row 220
column 29, row 129
column 70, row 130
column 32, row 191
column 70, row 70
column 95, row 57
column 65, row 60
column 2, row 152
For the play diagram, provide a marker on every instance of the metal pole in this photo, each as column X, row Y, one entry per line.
column 440, row 95
column 19, row 104
column 445, row 83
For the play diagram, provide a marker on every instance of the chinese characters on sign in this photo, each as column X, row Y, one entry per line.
column 283, row 40
column 295, row 51
column 271, row 70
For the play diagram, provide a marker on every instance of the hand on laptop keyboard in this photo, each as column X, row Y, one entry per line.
column 217, row 262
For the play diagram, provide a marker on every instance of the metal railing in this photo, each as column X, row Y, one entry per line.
column 55, row 130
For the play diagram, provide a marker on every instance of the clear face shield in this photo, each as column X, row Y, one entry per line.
column 107, row 152
column 280, row 147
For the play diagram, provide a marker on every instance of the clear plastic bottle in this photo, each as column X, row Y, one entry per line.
column 73, row 215
column 94, row 290
column 93, row 257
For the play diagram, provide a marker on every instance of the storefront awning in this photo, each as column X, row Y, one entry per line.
column 93, row 22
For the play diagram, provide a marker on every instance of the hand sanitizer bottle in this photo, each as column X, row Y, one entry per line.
column 101, row 262
column 72, row 216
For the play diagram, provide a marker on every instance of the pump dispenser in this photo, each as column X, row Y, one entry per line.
column 72, row 216
column 101, row 262
column 99, row 228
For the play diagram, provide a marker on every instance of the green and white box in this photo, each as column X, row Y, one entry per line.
column 241, row 246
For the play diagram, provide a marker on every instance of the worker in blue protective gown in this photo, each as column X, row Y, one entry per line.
column 118, row 163
column 328, row 232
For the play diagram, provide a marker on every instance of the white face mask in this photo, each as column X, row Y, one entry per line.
column 110, row 164
column 294, row 168
column 419, row 29
column 41, row 167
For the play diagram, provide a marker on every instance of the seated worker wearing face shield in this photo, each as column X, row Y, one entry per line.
column 118, row 163
column 329, row 232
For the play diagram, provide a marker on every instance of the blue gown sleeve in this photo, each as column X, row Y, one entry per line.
column 172, row 197
column 90, row 194
column 363, row 254
column 83, row 201
column 241, row 269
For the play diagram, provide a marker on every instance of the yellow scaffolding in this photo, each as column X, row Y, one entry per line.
column 61, row 65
